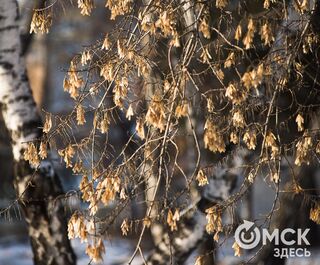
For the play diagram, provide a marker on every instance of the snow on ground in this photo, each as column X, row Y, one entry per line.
column 18, row 252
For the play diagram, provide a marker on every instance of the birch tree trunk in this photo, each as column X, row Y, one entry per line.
column 37, row 191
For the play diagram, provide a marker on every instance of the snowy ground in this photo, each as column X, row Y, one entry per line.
column 18, row 252
column 13, row 252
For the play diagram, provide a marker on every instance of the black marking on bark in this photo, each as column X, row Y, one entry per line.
column 14, row 74
column 11, row 27
column 204, row 204
column 3, row 105
column 22, row 98
column 30, row 127
column 12, row 50
column 24, row 77
column 6, row 65
column 17, row 17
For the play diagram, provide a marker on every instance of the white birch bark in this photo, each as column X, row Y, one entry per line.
column 37, row 191
column 191, row 232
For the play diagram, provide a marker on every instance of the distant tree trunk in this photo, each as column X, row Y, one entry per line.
column 37, row 191
column 177, row 246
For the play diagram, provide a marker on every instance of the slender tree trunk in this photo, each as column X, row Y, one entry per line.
column 37, row 190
